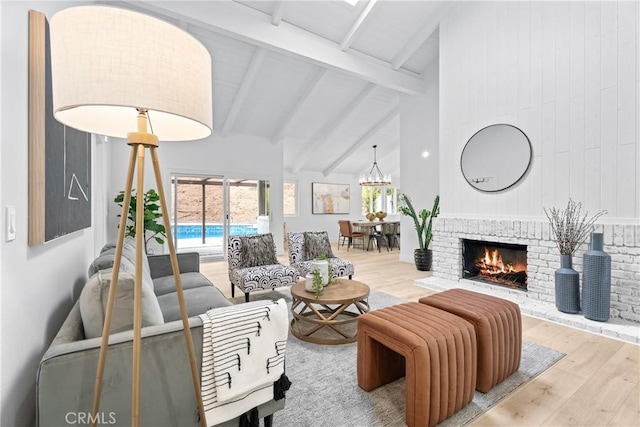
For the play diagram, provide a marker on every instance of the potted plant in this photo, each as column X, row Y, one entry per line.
column 153, row 229
column 422, row 222
column 569, row 229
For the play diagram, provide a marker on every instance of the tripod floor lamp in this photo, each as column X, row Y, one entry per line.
column 127, row 75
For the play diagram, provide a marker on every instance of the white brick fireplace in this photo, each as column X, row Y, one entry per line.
column 622, row 242
column 538, row 66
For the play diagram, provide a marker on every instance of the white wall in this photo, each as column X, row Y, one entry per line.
column 39, row 283
column 566, row 73
column 1, row 216
column 306, row 220
column 237, row 156
column 419, row 177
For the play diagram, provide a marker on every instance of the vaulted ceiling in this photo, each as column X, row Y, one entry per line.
column 323, row 77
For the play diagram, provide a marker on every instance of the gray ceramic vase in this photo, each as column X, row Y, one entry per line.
column 567, row 286
column 596, row 281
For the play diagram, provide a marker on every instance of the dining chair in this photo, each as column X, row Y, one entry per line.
column 393, row 235
column 347, row 233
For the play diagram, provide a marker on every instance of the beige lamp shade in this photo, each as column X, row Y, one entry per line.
column 107, row 62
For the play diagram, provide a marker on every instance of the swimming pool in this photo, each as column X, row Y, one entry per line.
column 194, row 231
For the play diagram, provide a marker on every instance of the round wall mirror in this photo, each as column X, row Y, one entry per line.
column 496, row 157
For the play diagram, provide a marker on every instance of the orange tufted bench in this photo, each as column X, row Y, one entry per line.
column 435, row 350
column 498, row 329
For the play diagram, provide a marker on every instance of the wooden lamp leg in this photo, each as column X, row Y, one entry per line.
column 112, row 289
column 137, row 293
column 178, row 282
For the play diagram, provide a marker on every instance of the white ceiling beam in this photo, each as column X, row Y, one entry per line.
column 370, row 133
column 240, row 22
column 357, row 26
column 309, row 88
column 278, row 12
column 243, row 91
column 419, row 37
column 331, row 126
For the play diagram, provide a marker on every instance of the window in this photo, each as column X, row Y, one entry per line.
column 393, row 196
column 376, row 199
column 290, row 198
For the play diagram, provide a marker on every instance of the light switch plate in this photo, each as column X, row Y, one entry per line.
column 10, row 223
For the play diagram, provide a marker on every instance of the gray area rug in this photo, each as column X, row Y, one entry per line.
column 325, row 391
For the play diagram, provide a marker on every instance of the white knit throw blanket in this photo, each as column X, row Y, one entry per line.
column 243, row 350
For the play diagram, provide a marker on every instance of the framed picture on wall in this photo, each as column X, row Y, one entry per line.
column 330, row 198
column 59, row 156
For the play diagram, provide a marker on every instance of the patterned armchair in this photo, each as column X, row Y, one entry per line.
column 253, row 265
column 304, row 247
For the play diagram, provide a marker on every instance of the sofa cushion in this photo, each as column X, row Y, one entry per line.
column 198, row 301
column 166, row 284
column 104, row 261
column 317, row 245
column 93, row 304
column 257, row 250
column 107, row 254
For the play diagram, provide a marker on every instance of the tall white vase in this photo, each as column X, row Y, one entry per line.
column 323, row 266
column 308, row 282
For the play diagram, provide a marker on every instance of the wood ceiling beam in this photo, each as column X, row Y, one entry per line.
column 309, row 88
column 419, row 37
column 357, row 26
column 331, row 126
column 243, row 91
column 232, row 19
column 278, row 12
column 368, row 135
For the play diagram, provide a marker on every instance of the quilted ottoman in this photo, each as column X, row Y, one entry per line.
column 435, row 350
column 498, row 329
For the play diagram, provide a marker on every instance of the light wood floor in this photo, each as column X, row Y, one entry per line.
column 595, row 384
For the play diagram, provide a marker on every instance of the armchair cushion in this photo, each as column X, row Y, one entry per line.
column 263, row 277
column 339, row 267
column 317, row 245
column 258, row 250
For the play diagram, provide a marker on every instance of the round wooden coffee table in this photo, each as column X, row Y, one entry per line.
column 332, row 318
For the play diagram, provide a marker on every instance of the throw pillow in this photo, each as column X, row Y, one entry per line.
column 107, row 254
column 93, row 304
column 258, row 250
column 317, row 245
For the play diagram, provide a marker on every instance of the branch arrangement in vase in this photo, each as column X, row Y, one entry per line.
column 318, row 287
column 569, row 227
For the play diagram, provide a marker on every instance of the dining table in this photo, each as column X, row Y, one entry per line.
column 368, row 228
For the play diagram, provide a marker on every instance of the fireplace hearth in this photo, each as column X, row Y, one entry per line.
column 502, row 264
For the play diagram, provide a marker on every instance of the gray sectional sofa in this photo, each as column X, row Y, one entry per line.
column 66, row 374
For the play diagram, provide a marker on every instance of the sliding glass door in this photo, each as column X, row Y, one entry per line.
column 208, row 209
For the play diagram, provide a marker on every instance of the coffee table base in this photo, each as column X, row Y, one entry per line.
column 326, row 323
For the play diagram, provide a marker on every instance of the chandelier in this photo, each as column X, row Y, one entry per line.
column 375, row 177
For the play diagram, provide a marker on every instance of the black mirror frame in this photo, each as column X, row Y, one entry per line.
column 519, row 178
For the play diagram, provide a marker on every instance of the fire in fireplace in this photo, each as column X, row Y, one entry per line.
column 498, row 263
